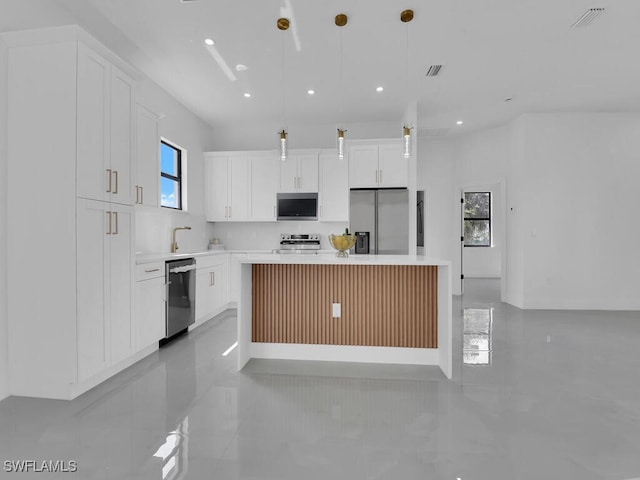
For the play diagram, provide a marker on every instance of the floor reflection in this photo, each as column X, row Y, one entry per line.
column 476, row 336
column 174, row 452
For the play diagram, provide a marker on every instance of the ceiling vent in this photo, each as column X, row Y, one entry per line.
column 434, row 70
column 432, row 132
column 588, row 17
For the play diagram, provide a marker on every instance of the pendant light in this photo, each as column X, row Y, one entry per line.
column 283, row 145
column 341, row 20
column 406, row 139
column 341, row 144
column 405, row 17
column 283, row 25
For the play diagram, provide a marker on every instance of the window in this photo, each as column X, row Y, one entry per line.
column 477, row 219
column 171, row 175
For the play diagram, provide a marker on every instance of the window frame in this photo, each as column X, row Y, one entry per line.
column 482, row 219
column 179, row 151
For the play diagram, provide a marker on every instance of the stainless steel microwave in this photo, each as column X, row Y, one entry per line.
column 297, row 206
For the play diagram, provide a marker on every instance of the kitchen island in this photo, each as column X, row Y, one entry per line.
column 365, row 308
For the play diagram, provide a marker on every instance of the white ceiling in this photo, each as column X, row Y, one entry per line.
column 490, row 50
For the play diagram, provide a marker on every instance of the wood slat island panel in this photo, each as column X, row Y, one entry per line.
column 382, row 305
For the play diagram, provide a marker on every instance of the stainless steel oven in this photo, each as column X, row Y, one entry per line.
column 181, row 295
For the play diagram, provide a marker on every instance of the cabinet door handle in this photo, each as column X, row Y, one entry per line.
column 213, row 277
column 115, row 214
column 229, row 211
column 137, row 194
column 320, row 211
column 109, row 174
column 141, row 195
column 152, row 270
column 115, row 190
column 108, row 223
column 274, row 211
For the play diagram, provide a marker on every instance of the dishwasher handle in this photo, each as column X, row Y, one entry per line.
column 182, row 269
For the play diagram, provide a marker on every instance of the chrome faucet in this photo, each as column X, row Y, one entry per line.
column 174, row 244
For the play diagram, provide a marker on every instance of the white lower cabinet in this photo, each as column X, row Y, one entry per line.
column 105, row 258
column 149, row 323
column 212, row 286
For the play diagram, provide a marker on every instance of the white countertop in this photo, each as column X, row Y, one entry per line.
column 142, row 258
column 266, row 256
column 331, row 259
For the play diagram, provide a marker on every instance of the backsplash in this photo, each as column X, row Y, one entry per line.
column 266, row 235
column 154, row 228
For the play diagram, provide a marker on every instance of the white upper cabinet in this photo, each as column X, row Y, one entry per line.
column 105, row 129
column 299, row 172
column 377, row 164
column 264, row 176
column 333, row 194
column 121, row 136
column 393, row 167
column 147, row 157
column 94, row 177
column 363, row 166
column 226, row 186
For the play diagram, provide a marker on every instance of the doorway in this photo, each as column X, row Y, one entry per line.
column 482, row 232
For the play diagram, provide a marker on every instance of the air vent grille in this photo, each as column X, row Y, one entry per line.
column 588, row 17
column 433, row 70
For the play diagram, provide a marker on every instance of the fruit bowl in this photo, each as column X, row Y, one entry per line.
column 342, row 243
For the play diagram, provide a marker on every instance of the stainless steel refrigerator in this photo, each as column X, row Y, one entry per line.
column 384, row 213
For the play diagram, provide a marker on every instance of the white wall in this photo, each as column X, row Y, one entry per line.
column 569, row 184
column 436, row 177
column 4, row 383
column 516, row 193
column 580, row 230
column 154, row 225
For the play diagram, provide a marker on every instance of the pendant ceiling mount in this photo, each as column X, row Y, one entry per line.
column 406, row 16
column 283, row 24
column 341, row 20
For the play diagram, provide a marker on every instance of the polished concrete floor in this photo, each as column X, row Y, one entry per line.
column 535, row 395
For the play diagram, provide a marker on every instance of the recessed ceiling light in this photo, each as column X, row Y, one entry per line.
column 241, row 68
column 209, row 41
column 379, row 89
column 247, row 95
column 311, row 92
column 508, row 99
column 459, row 122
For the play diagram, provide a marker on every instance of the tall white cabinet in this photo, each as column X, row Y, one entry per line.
column 70, row 221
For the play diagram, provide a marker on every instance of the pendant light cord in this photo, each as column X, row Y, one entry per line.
column 341, row 100
column 282, row 82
